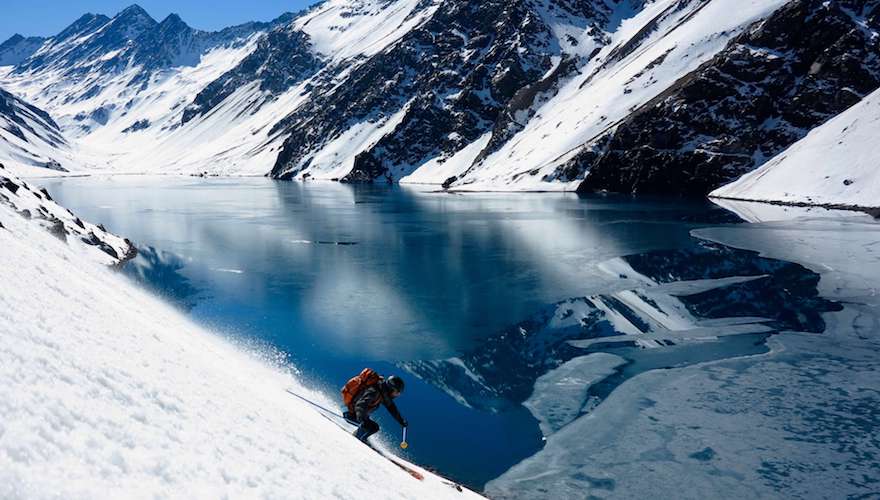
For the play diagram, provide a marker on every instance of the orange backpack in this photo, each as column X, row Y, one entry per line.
column 356, row 385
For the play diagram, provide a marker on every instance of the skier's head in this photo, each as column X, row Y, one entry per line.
column 395, row 385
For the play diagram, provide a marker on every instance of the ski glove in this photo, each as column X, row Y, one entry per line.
column 404, row 423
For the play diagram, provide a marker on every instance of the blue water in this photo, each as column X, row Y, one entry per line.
column 341, row 277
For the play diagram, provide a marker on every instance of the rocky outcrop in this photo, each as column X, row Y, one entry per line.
column 789, row 73
column 36, row 205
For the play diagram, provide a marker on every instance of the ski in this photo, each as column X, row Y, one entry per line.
column 349, row 426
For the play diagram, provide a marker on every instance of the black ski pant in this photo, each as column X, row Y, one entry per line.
column 367, row 428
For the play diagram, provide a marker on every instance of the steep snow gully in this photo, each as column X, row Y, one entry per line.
column 107, row 392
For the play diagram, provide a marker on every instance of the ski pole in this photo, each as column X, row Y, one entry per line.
column 403, row 443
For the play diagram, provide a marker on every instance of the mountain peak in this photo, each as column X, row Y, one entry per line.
column 173, row 20
column 135, row 12
column 12, row 40
column 133, row 9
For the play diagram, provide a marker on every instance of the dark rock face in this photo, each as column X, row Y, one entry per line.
column 282, row 59
column 795, row 70
column 450, row 78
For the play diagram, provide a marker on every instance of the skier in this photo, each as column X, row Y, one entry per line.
column 364, row 393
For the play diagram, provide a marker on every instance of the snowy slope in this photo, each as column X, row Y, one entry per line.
column 344, row 29
column 29, row 137
column 106, row 392
column 836, row 164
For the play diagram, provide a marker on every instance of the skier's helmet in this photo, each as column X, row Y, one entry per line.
column 395, row 383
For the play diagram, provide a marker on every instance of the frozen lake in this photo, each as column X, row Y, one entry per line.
column 631, row 334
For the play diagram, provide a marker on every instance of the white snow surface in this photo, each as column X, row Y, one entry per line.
column 342, row 29
column 835, row 164
column 107, row 392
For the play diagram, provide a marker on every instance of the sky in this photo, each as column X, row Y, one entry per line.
column 49, row 17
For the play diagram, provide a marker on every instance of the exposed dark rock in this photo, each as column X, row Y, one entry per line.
column 762, row 93
column 281, row 60
column 54, row 165
column 137, row 126
column 56, row 228
column 9, row 185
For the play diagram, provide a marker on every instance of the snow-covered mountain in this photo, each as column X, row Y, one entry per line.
column 772, row 84
column 29, row 136
column 660, row 96
column 835, row 165
column 118, row 86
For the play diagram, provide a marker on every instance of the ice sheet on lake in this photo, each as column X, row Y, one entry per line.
column 798, row 422
column 560, row 395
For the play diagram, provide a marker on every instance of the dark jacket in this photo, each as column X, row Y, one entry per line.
column 370, row 399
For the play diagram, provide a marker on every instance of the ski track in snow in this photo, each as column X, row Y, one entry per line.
column 107, row 392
